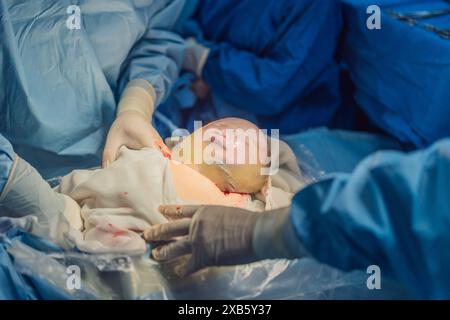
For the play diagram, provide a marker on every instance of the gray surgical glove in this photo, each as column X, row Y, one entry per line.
column 218, row 236
column 27, row 194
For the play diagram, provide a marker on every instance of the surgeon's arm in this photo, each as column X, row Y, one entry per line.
column 157, row 56
column 392, row 211
column 24, row 193
column 148, row 74
column 6, row 160
column 268, row 83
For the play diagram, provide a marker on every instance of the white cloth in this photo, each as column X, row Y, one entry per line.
column 121, row 201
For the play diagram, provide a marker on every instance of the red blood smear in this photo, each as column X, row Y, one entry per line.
column 239, row 193
column 166, row 153
column 119, row 233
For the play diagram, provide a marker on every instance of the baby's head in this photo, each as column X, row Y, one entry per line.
column 230, row 152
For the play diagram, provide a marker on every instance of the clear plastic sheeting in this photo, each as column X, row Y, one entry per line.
column 122, row 277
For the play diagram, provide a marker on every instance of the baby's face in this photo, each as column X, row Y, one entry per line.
column 230, row 152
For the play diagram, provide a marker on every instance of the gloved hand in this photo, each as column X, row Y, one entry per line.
column 195, row 57
column 132, row 127
column 217, row 236
column 27, row 194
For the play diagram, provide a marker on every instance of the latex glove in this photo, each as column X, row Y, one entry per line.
column 132, row 127
column 27, row 194
column 195, row 57
column 217, row 236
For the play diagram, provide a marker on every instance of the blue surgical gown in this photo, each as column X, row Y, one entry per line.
column 6, row 160
column 59, row 86
column 400, row 72
column 393, row 211
column 271, row 62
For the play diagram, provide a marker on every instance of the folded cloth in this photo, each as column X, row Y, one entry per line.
column 123, row 197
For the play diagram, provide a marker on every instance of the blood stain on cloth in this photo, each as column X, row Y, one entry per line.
column 120, row 233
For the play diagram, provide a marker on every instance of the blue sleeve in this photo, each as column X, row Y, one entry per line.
column 392, row 211
column 157, row 57
column 6, row 160
column 266, row 83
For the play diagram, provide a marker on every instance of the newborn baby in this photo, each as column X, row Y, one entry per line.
column 119, row 202
column 230, row 152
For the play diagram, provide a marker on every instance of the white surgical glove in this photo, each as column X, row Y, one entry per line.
column 195, row 57
column 217, row 236
column 132, row 127
column 27, row 194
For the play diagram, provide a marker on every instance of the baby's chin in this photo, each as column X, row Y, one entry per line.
column 245, row 179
